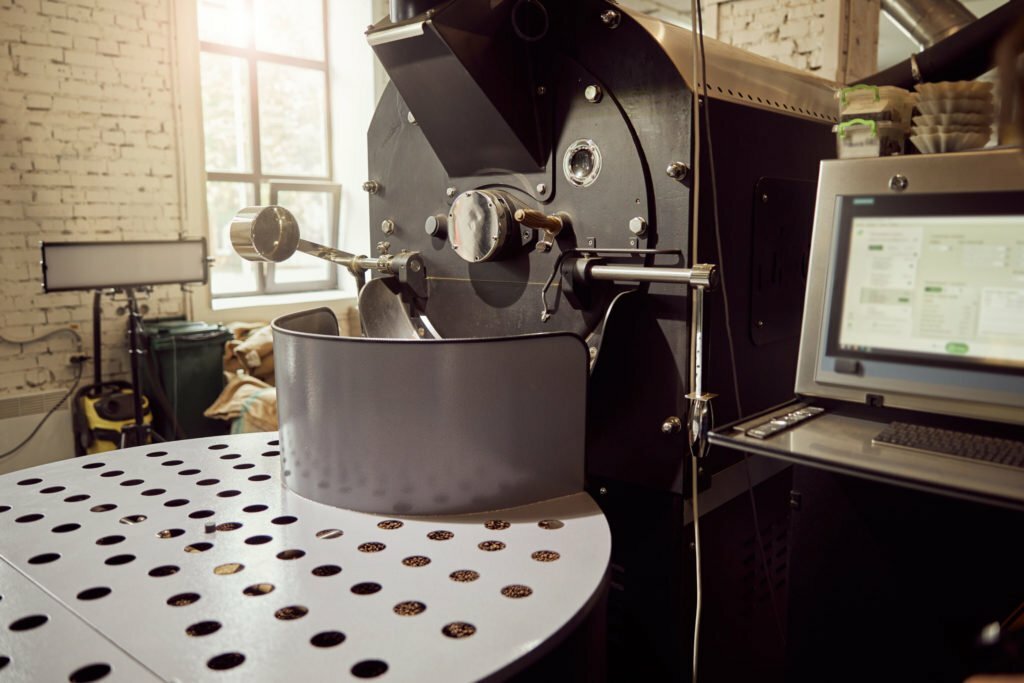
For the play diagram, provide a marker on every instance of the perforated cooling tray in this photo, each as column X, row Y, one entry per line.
column 189, row 561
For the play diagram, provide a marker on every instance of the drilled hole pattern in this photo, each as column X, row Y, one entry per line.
column 175, row 537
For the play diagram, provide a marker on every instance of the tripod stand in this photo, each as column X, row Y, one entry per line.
column 138, row 432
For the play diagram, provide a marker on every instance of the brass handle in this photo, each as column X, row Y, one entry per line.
column 549, row 225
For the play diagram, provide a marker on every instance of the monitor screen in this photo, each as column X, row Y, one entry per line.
column 918, row 281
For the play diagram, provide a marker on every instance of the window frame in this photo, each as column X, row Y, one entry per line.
column 334, row 230
column 256, row 178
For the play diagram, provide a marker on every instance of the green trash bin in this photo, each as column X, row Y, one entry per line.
column 185, row 361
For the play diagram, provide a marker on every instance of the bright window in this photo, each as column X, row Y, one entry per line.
column 267, row 130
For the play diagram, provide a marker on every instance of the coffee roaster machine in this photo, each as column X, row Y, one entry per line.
column 530, row 171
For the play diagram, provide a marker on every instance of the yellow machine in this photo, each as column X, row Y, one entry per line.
column 101, row 410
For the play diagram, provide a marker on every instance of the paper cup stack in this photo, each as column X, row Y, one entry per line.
column 953, row 116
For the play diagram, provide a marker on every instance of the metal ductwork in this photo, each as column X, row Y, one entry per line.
column 926, row 22
column 964, row 55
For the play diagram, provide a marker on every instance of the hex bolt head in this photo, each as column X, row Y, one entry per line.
column 371, row 187
column 898, row 182
column 638, row 226
column 387, row 226
column 611, row 18
column 450, row 192
column 593, row 93
column 677, row 170
column 542, row 188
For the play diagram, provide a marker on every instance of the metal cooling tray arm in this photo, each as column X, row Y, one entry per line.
column 271, row 234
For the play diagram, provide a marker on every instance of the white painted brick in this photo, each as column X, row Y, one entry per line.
column 86, row 152
column 77, row 13
column 35, row 101
column 45, row 164
column 9, row 33
column 56, row 9
column 37, row 52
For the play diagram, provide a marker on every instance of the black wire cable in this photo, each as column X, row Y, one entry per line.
column 51, row 333
column 78, row 378
column 699, row 26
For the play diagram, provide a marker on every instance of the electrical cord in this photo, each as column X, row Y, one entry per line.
column 47, row 335
column 78, row 378
column 699, row 37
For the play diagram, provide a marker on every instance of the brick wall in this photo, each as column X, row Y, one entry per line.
column 838, row 39
column 87, row 152
column 790, row 32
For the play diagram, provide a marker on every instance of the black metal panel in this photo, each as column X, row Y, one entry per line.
column 881, row 574
column 503, row 296
column 783, row 210
column 651, row 603
column 750, row 144
column 471, row 84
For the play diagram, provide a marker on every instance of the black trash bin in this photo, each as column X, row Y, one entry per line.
column 185, row 362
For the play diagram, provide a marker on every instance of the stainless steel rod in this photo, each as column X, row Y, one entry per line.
column 681, row 276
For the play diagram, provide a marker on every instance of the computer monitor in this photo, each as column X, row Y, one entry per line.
column 921, row 299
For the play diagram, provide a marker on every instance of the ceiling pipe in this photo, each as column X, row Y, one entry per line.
column 926, row 22
column 962, row 57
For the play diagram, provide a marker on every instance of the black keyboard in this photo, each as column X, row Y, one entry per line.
column 948, row 442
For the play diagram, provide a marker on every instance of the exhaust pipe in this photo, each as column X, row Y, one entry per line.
column 926, row 22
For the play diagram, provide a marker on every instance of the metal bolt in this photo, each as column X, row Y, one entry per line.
column 387, row 226
column 450, row 192
column 371, row 187
column 542, row 188
column 898, row 182
column 541, row 90
column 638, row 226
column 633, row 242
column 593, row 93
column 383, row 247
column 760, row 323
column 435, row 225
column 593, row 352
column 677, row 170
column 591, row 241
column 602, row 491
column 764, row 197
column 611, row 18
column 527, row 234
column 415, row 266
column 671, row 425
column 410, row 118
column 421, row 332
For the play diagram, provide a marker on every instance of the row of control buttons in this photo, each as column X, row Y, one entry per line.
column 777, row 424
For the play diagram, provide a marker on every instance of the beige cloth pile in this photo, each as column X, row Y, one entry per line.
column 252, row 351
column 249, row 401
